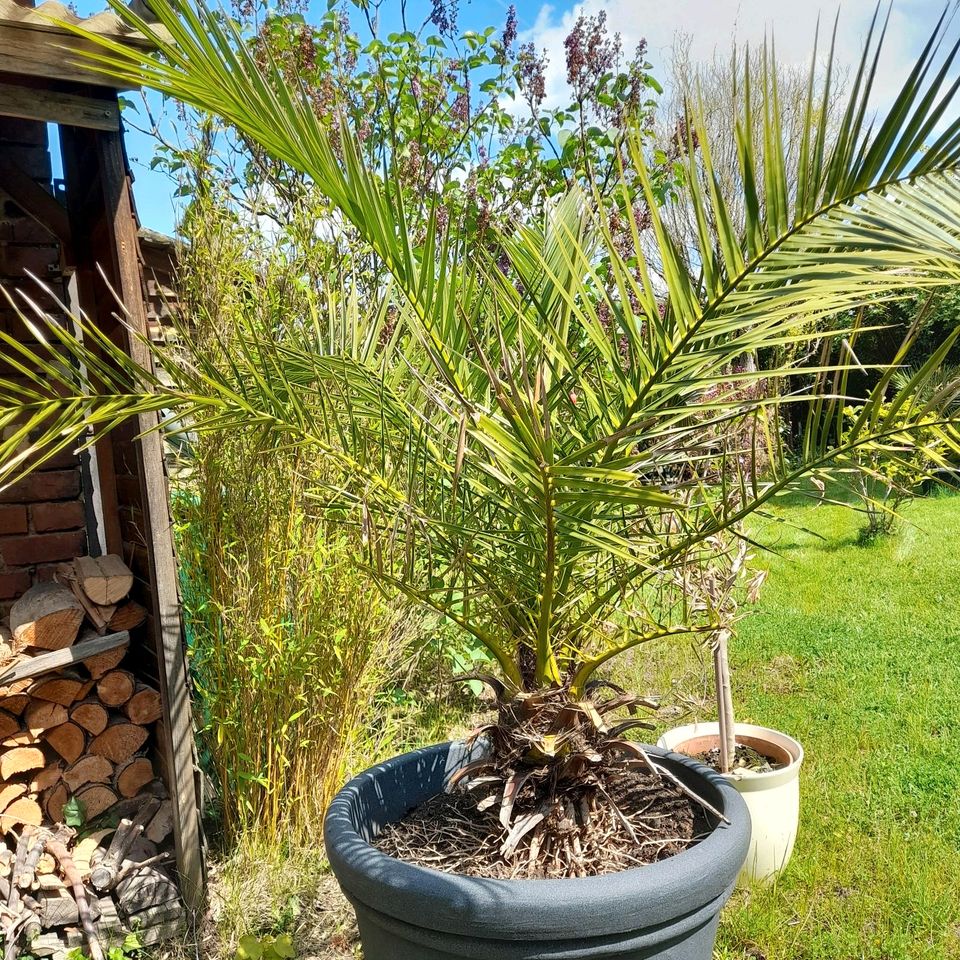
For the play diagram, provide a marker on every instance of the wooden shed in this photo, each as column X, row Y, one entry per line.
column 112, row 499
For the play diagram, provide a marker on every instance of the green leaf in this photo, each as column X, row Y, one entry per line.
column 249, row 948
column 74, row 814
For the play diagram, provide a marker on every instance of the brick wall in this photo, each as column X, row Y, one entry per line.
column 42, row 520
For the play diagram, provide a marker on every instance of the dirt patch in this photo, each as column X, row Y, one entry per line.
column 643, row 819
column 744, row 758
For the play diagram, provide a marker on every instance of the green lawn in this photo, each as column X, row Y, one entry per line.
column 855, row 650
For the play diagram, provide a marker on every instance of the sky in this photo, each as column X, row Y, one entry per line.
column 711, row 26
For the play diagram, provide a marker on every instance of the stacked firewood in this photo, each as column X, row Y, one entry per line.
column 83, row 817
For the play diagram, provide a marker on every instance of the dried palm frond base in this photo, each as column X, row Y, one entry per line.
column 643, row 818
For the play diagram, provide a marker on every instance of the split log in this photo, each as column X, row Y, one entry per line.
column 161, row 933
column 130, row 807
column 86, row 770
column 105, row 580
column 128, row 616
column 63, row 689
column 84, row 851
column 46, row 945
column 144, row 706
column 44, row 715
column 46, row 865
column 58, row 848
column 47, row 616
column 6, row 643
column 148, row 887
column 6, row 860
column 68, row 740
column 51, row 881
column 152, row 916
column 15, row 703
column 55, row 800
column 11, row 792
column 25, row 738
column 91, row 715
column 116, row 687
column 104, row 662
column 57, row 909
column 9, row 725
column 25, row 811
column 133, row 776
column 49, row 776
column 20, row 760
column 99, row 616
column 96, row 798
column 161, row 826
column 119, row 742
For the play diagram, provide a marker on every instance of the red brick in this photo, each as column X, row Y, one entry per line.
column 57, row 516
column 12, row 585
column 44, row 485
column 64, row 460
column 45, row 572
column 13, row 519
column 41, row 548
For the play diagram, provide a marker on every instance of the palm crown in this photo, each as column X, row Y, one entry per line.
column 535, row 434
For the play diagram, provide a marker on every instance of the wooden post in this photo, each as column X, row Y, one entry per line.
column 117, row 248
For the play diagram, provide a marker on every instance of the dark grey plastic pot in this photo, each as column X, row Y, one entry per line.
column 667, row 910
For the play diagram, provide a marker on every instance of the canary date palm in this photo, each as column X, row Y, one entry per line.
column 536, row 434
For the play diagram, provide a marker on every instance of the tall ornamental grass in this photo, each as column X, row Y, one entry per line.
column 290, row 642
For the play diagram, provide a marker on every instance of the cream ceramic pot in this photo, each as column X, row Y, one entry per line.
column 773, row 798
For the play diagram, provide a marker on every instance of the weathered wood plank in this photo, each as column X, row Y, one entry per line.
column 178, row 740
column 52, row 106
column 58, row 659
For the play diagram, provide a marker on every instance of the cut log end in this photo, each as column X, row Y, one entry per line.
column 119, row 742
column 116, row 687
column 68, row 740
column 47, row 616
column 105, row 580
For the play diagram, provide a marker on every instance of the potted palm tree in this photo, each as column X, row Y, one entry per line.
column 531, row 441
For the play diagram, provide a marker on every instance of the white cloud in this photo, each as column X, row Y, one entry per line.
column 713, row 25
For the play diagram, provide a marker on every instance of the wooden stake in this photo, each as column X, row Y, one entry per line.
column 58, row 848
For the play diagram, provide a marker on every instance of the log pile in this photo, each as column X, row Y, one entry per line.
column 85, row 823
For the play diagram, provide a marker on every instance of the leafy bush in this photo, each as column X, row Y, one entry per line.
column 889, row 474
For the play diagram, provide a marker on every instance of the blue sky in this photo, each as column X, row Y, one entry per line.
column 708, row 25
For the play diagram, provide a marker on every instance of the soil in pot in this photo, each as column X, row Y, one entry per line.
column 642, row 819
column 744, row 758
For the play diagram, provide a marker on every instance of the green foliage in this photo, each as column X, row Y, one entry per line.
column 265, row 948
column 130, row 948
column 290, row 643
column 74, row 814
column 887, row 475
column 517, row 429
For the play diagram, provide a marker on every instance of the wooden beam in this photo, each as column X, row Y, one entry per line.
column 52, row 106
column 36, row 52
column 35, row 202
column 177, row 734
column 34, row 666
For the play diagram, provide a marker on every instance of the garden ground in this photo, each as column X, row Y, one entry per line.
column 853, row 649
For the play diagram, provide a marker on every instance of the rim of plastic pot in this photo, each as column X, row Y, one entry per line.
column 746, row 780
column 518, row 909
